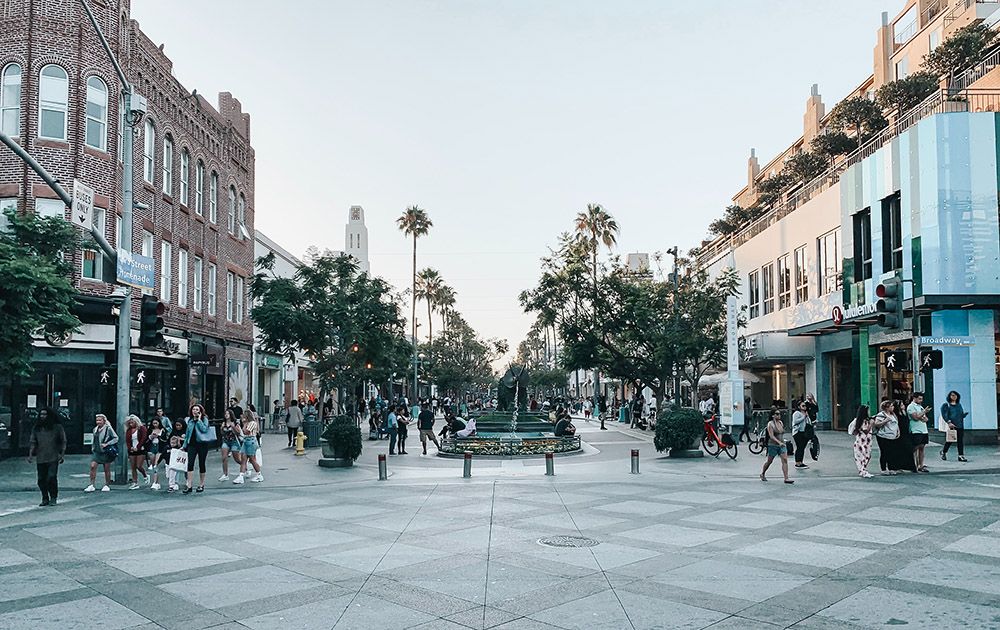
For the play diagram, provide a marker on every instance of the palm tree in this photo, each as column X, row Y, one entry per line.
column 414, row 222
column 446, row 302
column 596, row 227
column 429, row 284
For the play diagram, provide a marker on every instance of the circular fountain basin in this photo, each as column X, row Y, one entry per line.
column 487, row 443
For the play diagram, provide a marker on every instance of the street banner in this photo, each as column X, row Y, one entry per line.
column 732, row 335
column 135, row 270
column 82, row 212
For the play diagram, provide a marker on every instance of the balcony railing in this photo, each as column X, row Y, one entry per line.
column 942, row 101
column 961, row 7
column 977, row 71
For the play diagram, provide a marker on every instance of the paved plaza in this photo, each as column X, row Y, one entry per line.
column 697, row 544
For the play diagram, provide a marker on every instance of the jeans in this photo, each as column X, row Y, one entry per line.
column 291, row 434
column 961, row 442
column 48, row 480
column 393, row 433
column 800, row 446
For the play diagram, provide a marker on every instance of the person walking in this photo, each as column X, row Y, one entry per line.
column 135, row 443
column 861, row 429
column 800, row 434
column 293, row 421
column 776, row 446
column 197, row 440
column 104, row 438
column 954, row 416
column 48, row 448
column 178, row 432
column 425, row 424
column 402, row 421
column 250, row 448
column 156, row 447
column 232, row 443
column 917, row 415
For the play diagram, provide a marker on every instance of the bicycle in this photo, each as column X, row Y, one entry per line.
column 714, row 443
column 756, row 440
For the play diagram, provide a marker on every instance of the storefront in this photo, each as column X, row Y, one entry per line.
column 784, row 368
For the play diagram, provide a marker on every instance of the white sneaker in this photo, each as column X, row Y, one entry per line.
column 105, row 489
column 89, row 488
column 174, row 487
column 224, row 478
column 133, row 486
column 257, row 478
column 239, row 479
column 155, row 487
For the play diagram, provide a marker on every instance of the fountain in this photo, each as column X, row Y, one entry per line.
column 511, row 429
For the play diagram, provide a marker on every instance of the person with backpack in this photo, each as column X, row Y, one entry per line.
column 104, row 451
column 48, row 447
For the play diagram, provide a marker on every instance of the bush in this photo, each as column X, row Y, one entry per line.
column 833, row 143
column 344, row 437
column 903, row 95
column 678, row 429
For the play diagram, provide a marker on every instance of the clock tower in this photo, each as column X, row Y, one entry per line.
column 356, row 237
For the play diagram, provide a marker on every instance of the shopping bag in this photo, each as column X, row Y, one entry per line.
column 178, row 460
column 951, row 435
column 942, row 424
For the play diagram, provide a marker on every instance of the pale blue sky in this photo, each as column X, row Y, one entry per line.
column 503, row 118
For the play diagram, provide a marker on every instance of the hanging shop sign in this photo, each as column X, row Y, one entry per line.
column 842, row 314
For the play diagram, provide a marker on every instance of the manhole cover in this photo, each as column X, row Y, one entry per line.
column 568, row 541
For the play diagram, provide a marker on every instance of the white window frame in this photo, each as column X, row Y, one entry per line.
column 800, row 275
column 240, row 298
column 9, row 82
column 100, row 221
column 50, row 208
column 53, row 98
column 198, row 270
column 213, row 198
column 242, row 212
column 830, row 262
column 97, row 91
column 6, row 203
column 767, row 289
column 784, row 281
column 753, row 293
column 232, row 209
column 149, row 152
column 199, row 190
column 168, row 165
column 185, row 176
column 166, row 270
column 147, row 244
column 230, row 287
column 212, row 287
column 182, row 278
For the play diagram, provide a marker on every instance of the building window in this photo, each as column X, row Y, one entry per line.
column 199, row 189
column 801, row 276
column 242, row 214
column 9, row 204
column 53, row 99
column 185, row 175
column 830, row 264
column 166, row 272
column 147, row 244
column 240, row 299
column 767, row 271
column 93, row 259
column 753, row 290
column 934, row 39
column 892, row 234
column 211, row 289
column 149, row 152
column 230, row 287
column 232, row 210
column 168, row 165
column 97, row 114
column 213, row 199
column 182, row 278
column 784, row 283
column 197, row 284
column 10, row 100
column 863, row 245
column 902, row 68
column 50, row 208
column 905, row 27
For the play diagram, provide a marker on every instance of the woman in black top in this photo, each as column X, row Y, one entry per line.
column 48, row 447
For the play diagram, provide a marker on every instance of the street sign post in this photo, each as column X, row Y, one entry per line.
column 82, row 212
column 135, row 270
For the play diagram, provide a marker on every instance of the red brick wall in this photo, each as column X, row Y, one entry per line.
column 34, row 33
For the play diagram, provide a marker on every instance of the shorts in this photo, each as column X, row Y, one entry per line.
column 232, row 446
column 918, row 439
column 775, row 450
column 427, row 434
column 154, row 448
column 250, row 446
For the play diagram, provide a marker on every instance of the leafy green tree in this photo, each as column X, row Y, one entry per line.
column 805, row 166
column 770, row 189
column 903, row 95
column 458, row 360
column 966, row 47
column 346, row 321
column 858, row 115
column 832, row 143
column 37, row 295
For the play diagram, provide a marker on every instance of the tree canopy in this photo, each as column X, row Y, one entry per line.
column 966, row 47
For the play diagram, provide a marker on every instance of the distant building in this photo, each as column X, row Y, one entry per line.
column 638, row 263
column 356, row 237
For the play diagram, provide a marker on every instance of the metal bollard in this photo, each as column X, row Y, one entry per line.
column 635, row 461
column 382, row 473
column 467, row 469
column 550, row 466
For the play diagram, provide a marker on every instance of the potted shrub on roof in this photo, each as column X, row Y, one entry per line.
column 341, row 442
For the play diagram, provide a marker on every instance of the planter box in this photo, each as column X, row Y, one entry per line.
column 954, row 106
column 686, row 453
column 336, row 462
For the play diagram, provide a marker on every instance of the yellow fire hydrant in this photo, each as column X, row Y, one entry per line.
column 300, row 443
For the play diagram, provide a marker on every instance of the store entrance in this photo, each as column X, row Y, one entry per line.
column 843, row 397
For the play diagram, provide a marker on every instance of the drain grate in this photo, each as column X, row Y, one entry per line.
column 567, row 541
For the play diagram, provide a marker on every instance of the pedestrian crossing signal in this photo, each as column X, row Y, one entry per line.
column 895, row 361
column 931, row 360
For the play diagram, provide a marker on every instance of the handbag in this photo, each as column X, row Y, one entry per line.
column 204, row 435
column 111, row 451
column 951, row 435
column 942, row 424
column 178, row 460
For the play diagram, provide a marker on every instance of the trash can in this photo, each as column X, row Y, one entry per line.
column 311, row 429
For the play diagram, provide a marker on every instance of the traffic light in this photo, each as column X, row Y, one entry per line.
column 931, row 360
column 895, row 361
column 890, row 303
column 151, row 322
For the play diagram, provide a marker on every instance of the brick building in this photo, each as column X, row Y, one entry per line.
column 194, row 191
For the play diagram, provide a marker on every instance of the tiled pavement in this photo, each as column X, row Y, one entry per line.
column 722, row 552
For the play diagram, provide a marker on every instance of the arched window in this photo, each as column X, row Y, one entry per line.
column 97, row 114
column 242, row 211
column 199, row 189
column 185, row 174
column 10, row 100
column 168, row 165
column 232, row 210
column 213, row 199
column 53, row 99
column 149, row 152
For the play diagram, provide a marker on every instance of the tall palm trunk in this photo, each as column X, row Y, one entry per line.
column 430, row 324
column 414, row 319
